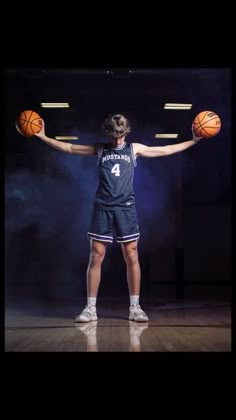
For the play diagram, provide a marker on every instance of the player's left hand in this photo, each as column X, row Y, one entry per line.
column 195, row 137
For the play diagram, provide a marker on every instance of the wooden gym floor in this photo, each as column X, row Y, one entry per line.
column 173, row 327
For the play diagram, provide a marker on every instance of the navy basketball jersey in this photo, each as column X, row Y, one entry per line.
column 116, row 171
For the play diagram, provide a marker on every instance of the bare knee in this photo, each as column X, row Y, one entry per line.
column 130, row 253
column 97, row 254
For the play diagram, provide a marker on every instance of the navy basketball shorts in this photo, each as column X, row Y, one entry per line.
column 122, row 223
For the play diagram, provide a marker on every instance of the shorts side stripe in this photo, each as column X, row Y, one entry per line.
column 132, row 238
column 103, row 238
column 128, row 236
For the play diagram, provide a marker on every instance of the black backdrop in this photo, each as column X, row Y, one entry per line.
column 183, row 201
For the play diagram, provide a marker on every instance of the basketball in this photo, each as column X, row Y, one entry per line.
column 28, row 123
column 206, row 124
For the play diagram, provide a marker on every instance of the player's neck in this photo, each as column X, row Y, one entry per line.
column 114, row 142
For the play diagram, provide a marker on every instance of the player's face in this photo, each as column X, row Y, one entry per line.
column 117, row 141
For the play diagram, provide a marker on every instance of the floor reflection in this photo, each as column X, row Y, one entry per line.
column 135, row 332
column 90, row 331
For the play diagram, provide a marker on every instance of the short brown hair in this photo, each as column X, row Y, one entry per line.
column 116, row 126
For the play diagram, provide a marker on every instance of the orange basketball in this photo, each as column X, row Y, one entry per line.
column 206, row 124
column 28, row 123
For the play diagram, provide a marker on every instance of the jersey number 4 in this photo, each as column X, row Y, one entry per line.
column 116, row 169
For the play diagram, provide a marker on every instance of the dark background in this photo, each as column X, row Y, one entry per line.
column 183, row 201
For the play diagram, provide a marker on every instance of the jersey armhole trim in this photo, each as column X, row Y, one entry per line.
column 132, row 154
column 99, row 152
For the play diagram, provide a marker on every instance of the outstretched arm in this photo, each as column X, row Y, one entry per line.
column 157, row 151
column 66, row 147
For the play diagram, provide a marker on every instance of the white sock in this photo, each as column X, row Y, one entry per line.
column 91, row 301
column 134, row 299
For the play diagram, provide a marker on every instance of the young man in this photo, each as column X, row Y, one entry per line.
column 114, row 206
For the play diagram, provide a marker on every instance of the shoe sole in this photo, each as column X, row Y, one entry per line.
column 87, row 320
column 131, row 318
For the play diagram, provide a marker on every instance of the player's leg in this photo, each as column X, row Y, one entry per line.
column 130, row 254
column 97, row 254
column 96, row 257
column 100, row 235
column 127, row 235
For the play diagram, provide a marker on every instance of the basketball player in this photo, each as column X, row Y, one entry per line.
column 114, row 205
